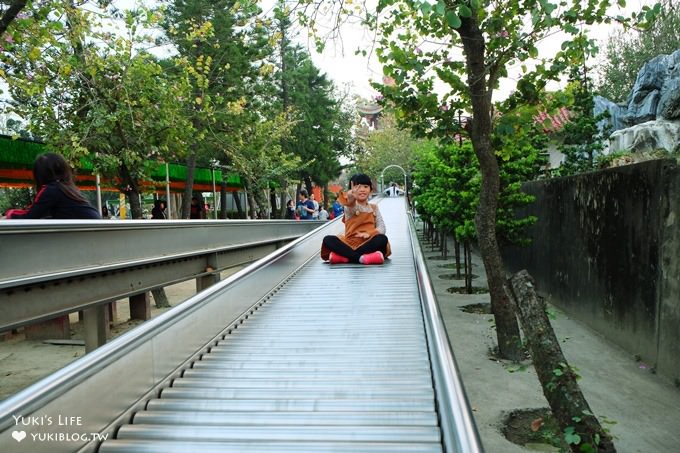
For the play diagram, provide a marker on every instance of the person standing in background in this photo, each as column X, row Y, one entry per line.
column 306, row 206
column 338, row 209
column 315, row 214
column 197, row 210
column 290, row 210
column 158, row 211
column 323, row 214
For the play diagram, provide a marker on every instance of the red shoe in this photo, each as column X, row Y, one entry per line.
column 372, row 258
column 334, row 258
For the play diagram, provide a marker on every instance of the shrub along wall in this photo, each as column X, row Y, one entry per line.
column 606, row 250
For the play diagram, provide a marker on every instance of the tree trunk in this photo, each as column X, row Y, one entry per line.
column 456, row 248
column 10, row 14
column 252, row 212
column 442, row 243
column 160, row 298
column 507, row 330
column 558, row 379
column 435, row 237
column 223, row 200
column 273, row 213
column 135, row 204
column 262, row 201
column 283, row 199
column 176, row 205
column 131, row 189
column 466, row 267
column 326, row 195
column 308, row 184
column 237, row 202
column 188, row 186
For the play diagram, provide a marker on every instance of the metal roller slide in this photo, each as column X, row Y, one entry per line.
column 335, row 360
column 290, row 354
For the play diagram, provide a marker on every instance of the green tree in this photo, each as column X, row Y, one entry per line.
column 321, row 133
column 262, row 162
column 520, row 143
column 388, row 145
column 8, row 12
column 467, row 47
column 21, row 20
column 89, row 93
column 464, row 48
column 222, row 46
column 11, row 198
column 626, row 51
column 582, row 139
column 449, row 180
column 316, row 116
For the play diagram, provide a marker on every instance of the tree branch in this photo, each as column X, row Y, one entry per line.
column 11, row 14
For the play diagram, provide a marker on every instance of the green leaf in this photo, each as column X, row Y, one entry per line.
column 557, row 372
column 476, row 4
column 440, row 8
column 650, row 15
column 505, row 129
column 621, row 3
column 425, row 8
column 533, row 52
column 569, row 28
column 587, row 448
column 452, row 19
column 464, row 11
column 571, row 437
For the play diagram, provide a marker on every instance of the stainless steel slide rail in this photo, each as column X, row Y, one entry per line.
column 334, row 358
column 50, row 249
column 459, row 429
column 49, row 267
column 100, row 389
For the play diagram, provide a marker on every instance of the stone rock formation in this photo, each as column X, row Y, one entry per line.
column 646, row 137
column 669, row 101
column 616, row 113
column 651, row 119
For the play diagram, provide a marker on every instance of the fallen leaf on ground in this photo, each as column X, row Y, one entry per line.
column 536, row 424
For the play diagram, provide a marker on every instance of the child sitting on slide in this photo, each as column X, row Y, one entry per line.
column 364, row 240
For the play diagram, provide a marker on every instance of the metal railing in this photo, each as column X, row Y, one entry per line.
column 49, row 268
column 456, row 420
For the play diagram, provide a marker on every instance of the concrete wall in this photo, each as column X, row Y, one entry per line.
column 606, row 250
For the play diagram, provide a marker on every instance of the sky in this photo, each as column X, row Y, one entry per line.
column 345, row 68
column 353, row 72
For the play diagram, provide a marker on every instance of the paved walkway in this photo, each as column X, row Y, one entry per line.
column 644, row 407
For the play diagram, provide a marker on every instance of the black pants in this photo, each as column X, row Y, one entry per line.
column 376, row 243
